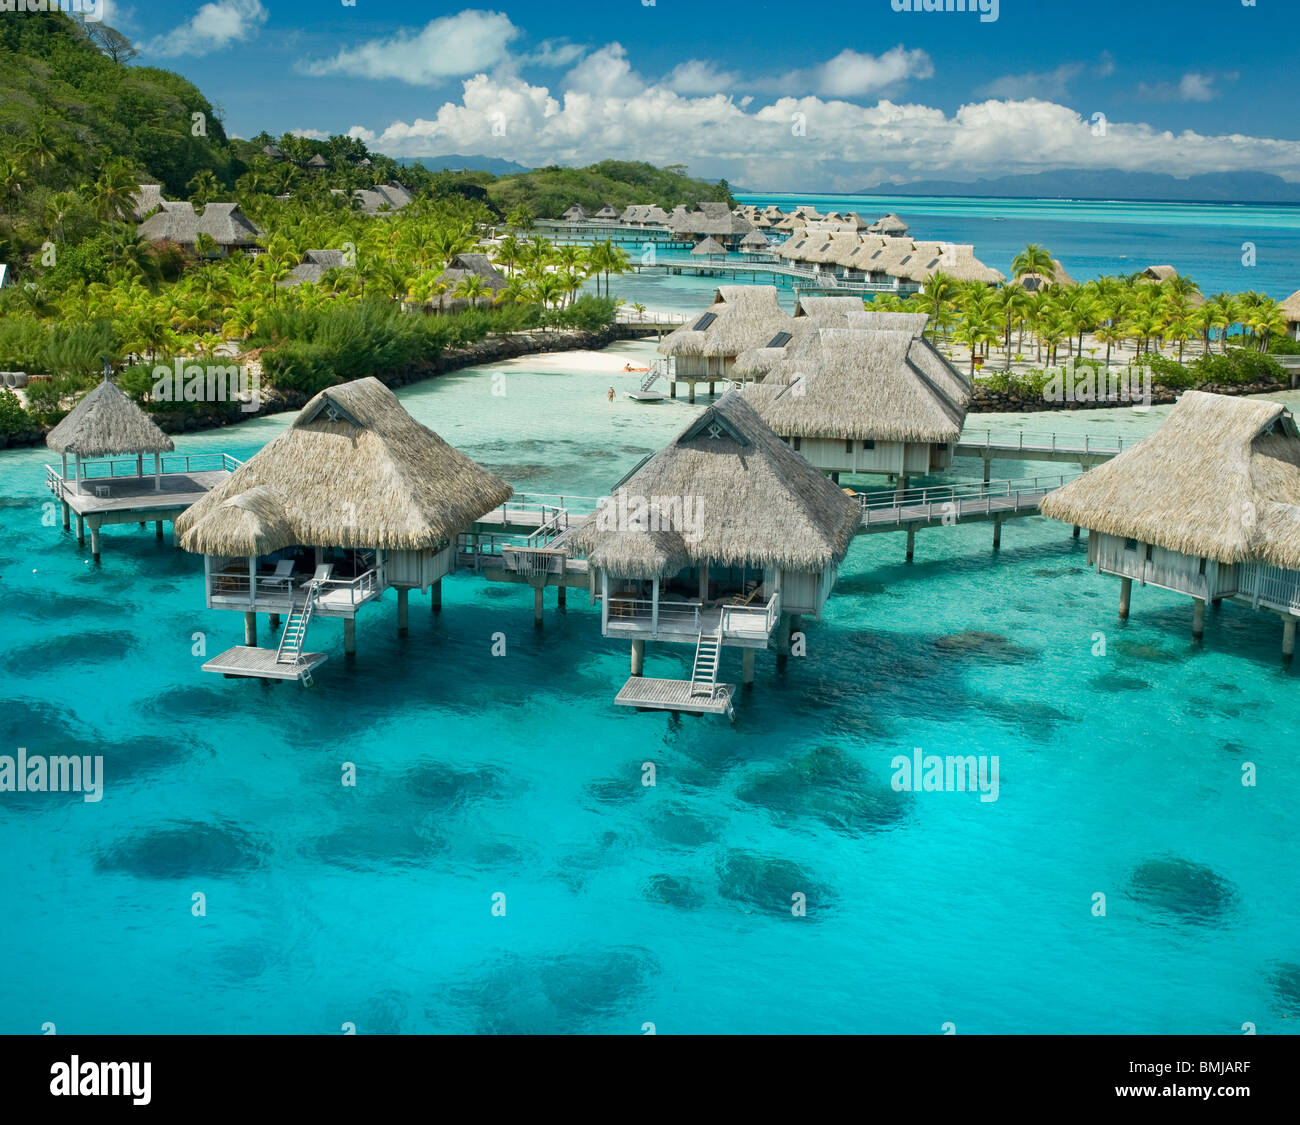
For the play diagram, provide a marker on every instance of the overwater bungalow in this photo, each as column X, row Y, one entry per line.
column 607, row 214
column 1208, row 506
column 890, row 225
column 108, row 436
column 228, row 227
column 710, row 249
column 575, row 214
column 859, row 392
column 704, row 349
column 353, row 498
column 713, row 220
column 756, row 244
column 724, row 538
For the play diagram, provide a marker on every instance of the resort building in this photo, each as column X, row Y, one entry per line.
column 890, row 225
column 858, row 392
column 709, row 220
column 704, row 350
column 354, row 498
column 575, row 214
column 313, row 266
column 757, row 246
column 1291, row 310
column 108, row 435
column 900, row 263
column 607, row 214
column 381, row 198
column 719, row 540
column 318, row 163
column 1032, row 282
column 644, row 214
column 228, row 227
column 711, row 249
column 1208, row 506
column 460, row 269
column 146, row 201
column 1159, row 273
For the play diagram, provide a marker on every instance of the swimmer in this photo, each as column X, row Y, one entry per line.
column 611, row 394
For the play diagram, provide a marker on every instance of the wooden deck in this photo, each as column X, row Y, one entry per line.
column 260, row 663
column 138, row 494
column 647, row 693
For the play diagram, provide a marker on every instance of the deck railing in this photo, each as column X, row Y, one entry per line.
column 1046, row 442
column 1271, row 584
column 746, row 620
column 170, row 464
column 958, row 499
column 271, row 588
column 357, row 589
column 533, row 562
column 678, row 617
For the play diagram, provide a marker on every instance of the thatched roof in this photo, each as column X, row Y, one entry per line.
column 353, row 470
column 179, row 222
column 313, row 266
column 1220, row 479
column 889, row 224
column 1160, row 273
column 607, row 212
column 759, row 502
column 106, row 423
column 477, row 265
column 1291, row 307
column 575, row 213
column 318, row 161
column 709, row 219
column 655, row 551
column 145, row 201
column 755, row 240
column 824, row 306
column 737, row 319
column 391, row 196
column 1035, row 281
column 709, row 246
column 861, row 383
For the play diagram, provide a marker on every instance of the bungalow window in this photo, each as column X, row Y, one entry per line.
column 1130, row 544
column 1201, row 569
column 848, row 445
column 1150, row 549
column 870, row 443
column 796, row 444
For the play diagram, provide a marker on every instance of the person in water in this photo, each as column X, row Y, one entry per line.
column 611, row 394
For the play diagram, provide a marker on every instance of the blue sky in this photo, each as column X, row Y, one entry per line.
column 773, row 96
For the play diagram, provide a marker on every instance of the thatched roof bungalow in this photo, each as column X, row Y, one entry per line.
column 107, row 423
column 146, row 200
column 860, row 392
column 1208, row 505
column 318, row 163
column 1291, row 310
column 1032, row 282
column 709, row 248
column 890, row 225
column 1159, row 273
column 741, row 317
column 607, row 213
column 755, row 242
column 224, row 223
column 709, row 220
column 313, row 266
column 575, row 214
column 354, row 497
column 382, row 198
column 723, row 532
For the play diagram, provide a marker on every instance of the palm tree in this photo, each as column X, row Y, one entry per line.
column 203, row 186
column 936, row 299
column 40, row 145
column 1033, row 259
column 509, row 252
column 1014, row 303
column 1221, row 311
column 472, row 288
column 113, row 194
column 11, row 181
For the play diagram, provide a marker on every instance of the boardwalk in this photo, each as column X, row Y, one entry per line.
column 1084, row 450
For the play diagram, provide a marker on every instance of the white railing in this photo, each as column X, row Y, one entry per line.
column 1270, row 584
column 1046, row 442
column 748, row 620
column 957, row 499
column 533, row 562
column 625, row 315
column 169, row 464
column 358, row 589
column 676, row 617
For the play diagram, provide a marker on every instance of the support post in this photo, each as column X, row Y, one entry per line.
column 157, row 529
column 704, row 581
column 275, row 624
column 782, row 642
column 1125, row 591
column 672, row 389
column 94, row 541
column 911, row 541
column 435, row 596
column 835, row 476
column 638, row 658
column 747, row 667
column 81, row 530
column 67, row 516
column 250, row 630
column 1288, row 639
column 1075, row 533
column 988, row 463
column 1198, row 619
column 997, row 534
column 350, row 636
column 403, row 596
column 710, row 388
column 691, row 396
column 537, row 606
column 561, row 597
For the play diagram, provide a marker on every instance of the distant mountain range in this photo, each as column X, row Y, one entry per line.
column 1208, row 187
column 456, row 161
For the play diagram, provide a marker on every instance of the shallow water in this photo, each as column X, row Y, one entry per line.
column 626, row 904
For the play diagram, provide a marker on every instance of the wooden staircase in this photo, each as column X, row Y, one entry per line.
column 295, row 634
column 704, row 674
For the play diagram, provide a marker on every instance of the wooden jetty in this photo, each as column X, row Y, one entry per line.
column 1084, row 450
column 647, row 693
column 262, row 664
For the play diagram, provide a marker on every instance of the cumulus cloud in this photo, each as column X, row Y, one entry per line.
column 605, row 73
column 1046, row 84
column 697, row 77
column 1195, row 86
column 213, row 27
column 852, row 74
column 842, row 145
column 554, row 53
column 448, row 47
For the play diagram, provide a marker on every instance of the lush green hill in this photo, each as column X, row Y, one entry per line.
column 548, row 192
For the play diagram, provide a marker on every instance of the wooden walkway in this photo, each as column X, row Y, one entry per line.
column 261, row 664
column 1085, row 450
column 647, row 693
column 952, row 504
column 137, row 494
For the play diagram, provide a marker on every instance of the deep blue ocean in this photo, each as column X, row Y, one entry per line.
column 1121, row 750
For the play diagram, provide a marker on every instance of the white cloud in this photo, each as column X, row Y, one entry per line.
column 851, row 74
column 698, row 77
column 213, row 27
column 1048, row 84
column 554, row 53
column 1194, row 86
column 449, row 47
column 846, row 146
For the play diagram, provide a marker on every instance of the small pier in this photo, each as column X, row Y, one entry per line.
column 263, row 664
column 118, row 491
column 1084, row 450
column 646, row 693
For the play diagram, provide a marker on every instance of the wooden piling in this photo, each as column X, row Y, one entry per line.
column 782, row 642
column 1075, row 533
column 1125, row 592
column 988, row 464
column 691, row 396
column 250, row 630
column 1198, row 619
column 350, row 636
column 638, row 657
column 710, row 388
column 94, row 542
column 537, row 606
column 67, row 516
column 562, row 597
column 435, row 596
column 672, row 389
column 81, row 530
column 157, row 529
column 911, row 541
column 403, row 597
column 275, row 624
column 747, row 667
column 1288, row 638
column 997, row 535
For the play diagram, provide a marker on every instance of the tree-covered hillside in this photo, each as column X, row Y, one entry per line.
column 548, row 192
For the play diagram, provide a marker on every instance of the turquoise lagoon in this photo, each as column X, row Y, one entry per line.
column 626, row 904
